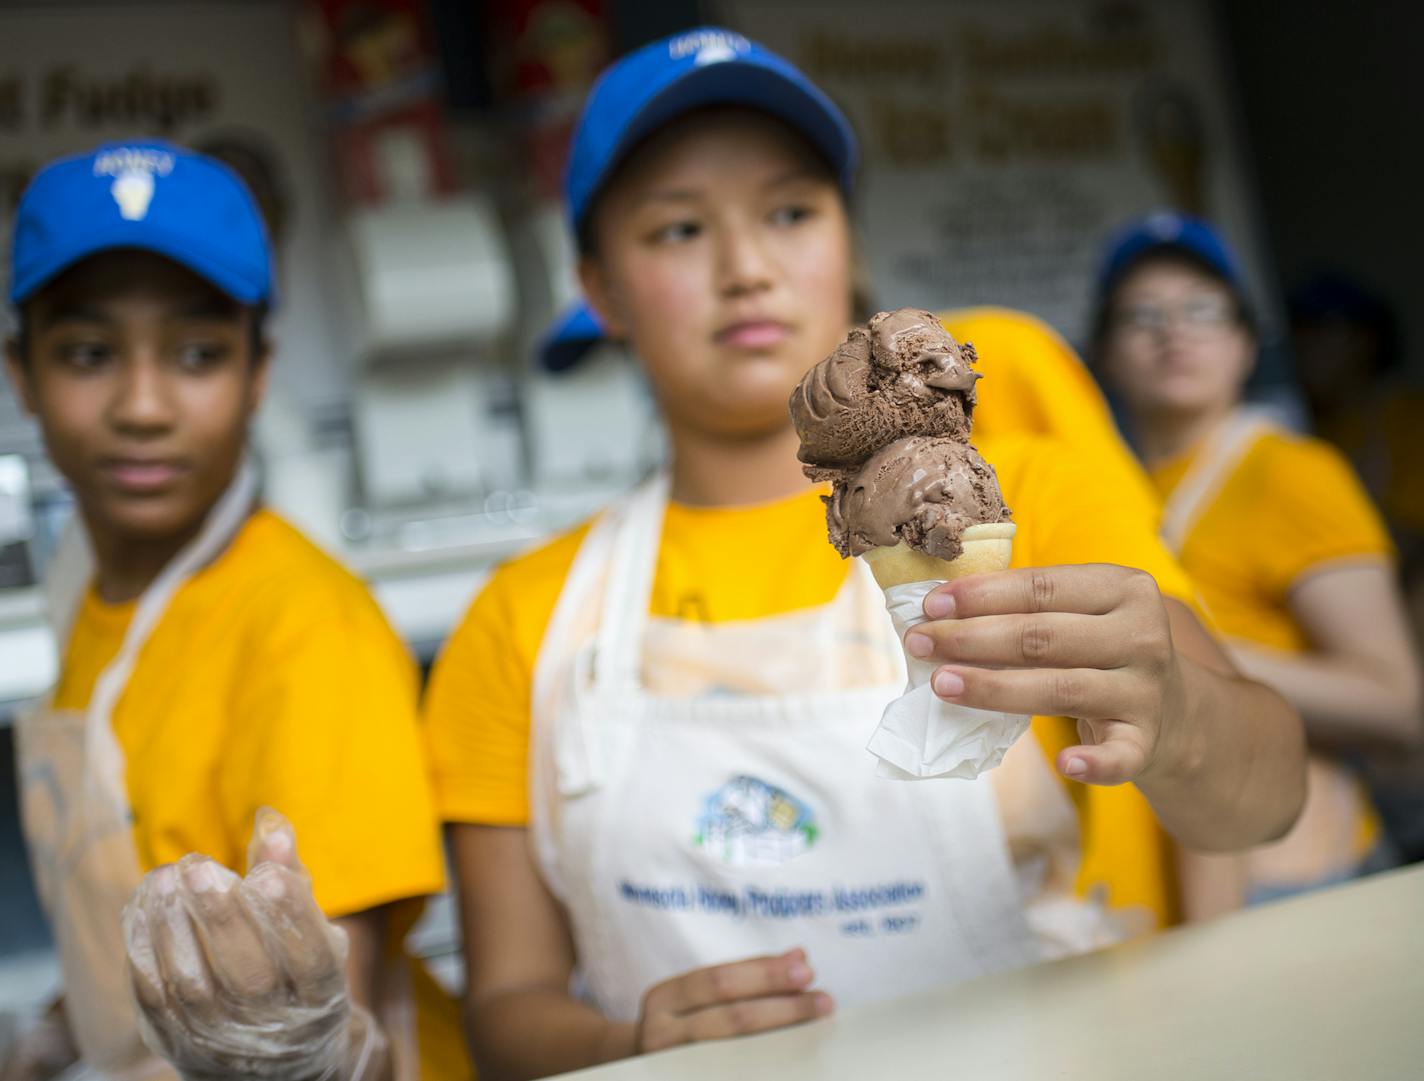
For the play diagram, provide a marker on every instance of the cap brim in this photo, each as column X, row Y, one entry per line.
column 144, row 237
column 570, row 338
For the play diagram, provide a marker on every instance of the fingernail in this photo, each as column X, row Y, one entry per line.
column 939, row 605
column 824, row 1004
column 947, row 684
column 918, row 644
column 207, row 877
column 164, row 881
column 799, row 973
column 279, row 840
column 1075, row 768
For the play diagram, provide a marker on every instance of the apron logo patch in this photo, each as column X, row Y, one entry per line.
column 748, row 821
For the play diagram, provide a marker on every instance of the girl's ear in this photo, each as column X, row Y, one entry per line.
column 601, row 296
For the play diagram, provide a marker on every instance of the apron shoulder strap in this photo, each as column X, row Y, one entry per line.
column 637, row 535
column 1204, row 479
column 66, row 578
column 605, row 572
column 104, row 758
column 604, row 601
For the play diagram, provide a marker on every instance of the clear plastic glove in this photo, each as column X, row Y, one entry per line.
column 244, row 977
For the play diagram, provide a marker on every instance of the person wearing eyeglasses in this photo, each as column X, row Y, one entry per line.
column 1290, row 557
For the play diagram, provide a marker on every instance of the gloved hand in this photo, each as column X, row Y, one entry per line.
column 244, row 977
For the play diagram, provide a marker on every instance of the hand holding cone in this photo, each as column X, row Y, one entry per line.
column 886, row 418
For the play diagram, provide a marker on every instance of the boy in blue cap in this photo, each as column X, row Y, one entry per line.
column 218, row 669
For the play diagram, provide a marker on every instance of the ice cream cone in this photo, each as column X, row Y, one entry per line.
column 987, row 547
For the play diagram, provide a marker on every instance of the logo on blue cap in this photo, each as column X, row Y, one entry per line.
column 709, row 45
column 148, row 195
column 133, row 169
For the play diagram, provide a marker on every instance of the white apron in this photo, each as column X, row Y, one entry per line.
column 1321, row 847
column 703, row 819
column 79, row 826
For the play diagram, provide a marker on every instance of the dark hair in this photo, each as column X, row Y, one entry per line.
column 258, row 166
column 1165, row 253
column 1335, row 296
column 256, row 341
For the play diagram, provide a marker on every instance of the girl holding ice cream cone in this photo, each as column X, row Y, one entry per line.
column 648, row 735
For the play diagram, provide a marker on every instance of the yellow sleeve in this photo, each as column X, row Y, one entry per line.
column 1034, row 383
column 325, row 730
column 477, row 707
column 1067, row 514
column 1315, row 512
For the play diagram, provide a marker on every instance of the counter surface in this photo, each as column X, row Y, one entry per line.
column 1328, row 987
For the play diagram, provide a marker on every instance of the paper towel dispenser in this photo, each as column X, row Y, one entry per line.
column 432, row 275
column 438, row 301
column 593, row 426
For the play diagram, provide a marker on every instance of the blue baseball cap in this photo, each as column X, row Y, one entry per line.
column 1168, row 230
column 149, row 195
column 659, row 82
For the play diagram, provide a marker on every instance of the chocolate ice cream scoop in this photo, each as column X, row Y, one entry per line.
column 913, row 352
column 901, row 375
column 924, row 491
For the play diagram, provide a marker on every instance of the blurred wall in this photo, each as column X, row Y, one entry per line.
column 1004, row 140
column 1331, row 94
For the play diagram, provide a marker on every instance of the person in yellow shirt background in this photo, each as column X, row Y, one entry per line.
column 1037, row 385
column 648, row 735
column 222, row 679
column 1291, row 559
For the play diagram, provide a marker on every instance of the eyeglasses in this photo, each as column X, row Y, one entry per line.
column 1199, row 314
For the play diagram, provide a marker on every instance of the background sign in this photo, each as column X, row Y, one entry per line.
column 1004, row 139
column 72, row 76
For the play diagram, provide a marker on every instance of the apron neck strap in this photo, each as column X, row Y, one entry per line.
column 1224, row 448
column 636, row 537
column 220, row 526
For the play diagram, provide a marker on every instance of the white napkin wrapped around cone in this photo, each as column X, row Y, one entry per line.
column 920, row 735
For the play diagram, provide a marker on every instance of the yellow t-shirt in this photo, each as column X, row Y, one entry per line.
column 1291, row 506
column 479, row 699
column 274, row 679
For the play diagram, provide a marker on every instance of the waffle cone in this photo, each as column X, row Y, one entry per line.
column 987, row 547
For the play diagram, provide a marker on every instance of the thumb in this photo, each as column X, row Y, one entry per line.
column 273, row 841
column 1116, row 760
